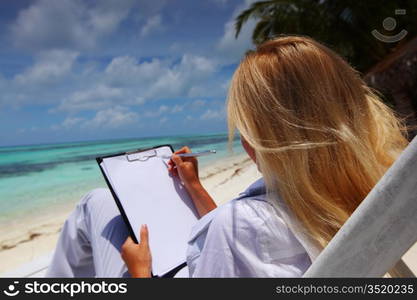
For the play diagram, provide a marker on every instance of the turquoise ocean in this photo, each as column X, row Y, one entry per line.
column 37, row 178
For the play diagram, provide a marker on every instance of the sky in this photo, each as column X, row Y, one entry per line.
column 74, row 70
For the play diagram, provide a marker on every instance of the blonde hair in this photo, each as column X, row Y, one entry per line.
column 322, row 138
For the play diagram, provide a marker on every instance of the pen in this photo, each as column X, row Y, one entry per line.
column 193, row 154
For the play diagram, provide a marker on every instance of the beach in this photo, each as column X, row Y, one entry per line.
column 33, row 237
column 33, row 232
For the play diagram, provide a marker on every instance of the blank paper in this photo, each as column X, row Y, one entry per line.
column 149, row 195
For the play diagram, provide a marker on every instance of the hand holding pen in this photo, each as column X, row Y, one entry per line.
column 184, row 164
column 186, row 168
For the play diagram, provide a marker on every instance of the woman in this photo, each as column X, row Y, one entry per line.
column 321, row 139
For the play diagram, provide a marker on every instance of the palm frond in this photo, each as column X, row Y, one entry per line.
column 255, row 10
column 344, row 25
column 262, row 31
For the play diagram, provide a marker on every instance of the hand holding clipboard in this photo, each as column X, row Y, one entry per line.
column 146, row 193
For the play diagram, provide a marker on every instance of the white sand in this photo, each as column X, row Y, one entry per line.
column 36, row 237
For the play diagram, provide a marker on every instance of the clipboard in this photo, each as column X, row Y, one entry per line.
column 145, row 193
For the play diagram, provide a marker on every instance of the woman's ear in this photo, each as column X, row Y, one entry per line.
column 248, row 148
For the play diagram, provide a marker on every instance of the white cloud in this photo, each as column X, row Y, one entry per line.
column 197, row 64
column 126, row 70
column 177, row 108
column 231, row 49
column 153, row 24
column 159, row 79
column 180, row 79
column 213, row 115
column 163, row 120
column 198, row 103
column 97, row 97
column 221, row 2
column 136, row 101
column 49, row 67
column 126, row 81
column 58, row 33
column 161, row 110
column 197, row 91
column 114, row 117
column 165, row 109
column 67, row 24
column 46, row 81
column 106, row 15
column 71, row 122
column 226, row 84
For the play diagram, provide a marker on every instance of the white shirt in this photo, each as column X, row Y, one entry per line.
column 246, row 237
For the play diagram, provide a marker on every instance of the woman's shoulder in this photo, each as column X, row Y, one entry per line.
column 254, row 233
column 245, row 237
column 250, row 213
column 252, row 219
column 251, row 208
